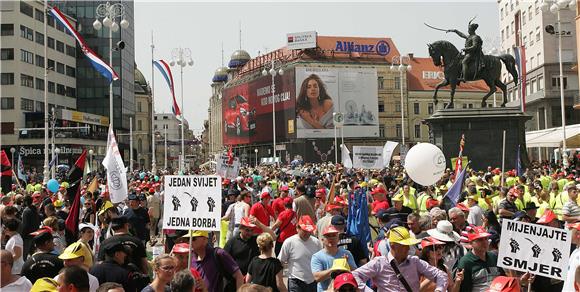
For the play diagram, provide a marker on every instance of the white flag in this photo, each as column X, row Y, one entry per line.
column 388, row 152
column 116, row 172
column 346, row 161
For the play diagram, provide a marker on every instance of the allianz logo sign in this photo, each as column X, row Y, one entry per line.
column 381, row 47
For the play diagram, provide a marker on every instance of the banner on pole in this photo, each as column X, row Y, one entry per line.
column 116, row 172
column 225, row 169
column 367, row 157
column 538, row 249
column 464, row 161
column 388, row 152
column 192, row 202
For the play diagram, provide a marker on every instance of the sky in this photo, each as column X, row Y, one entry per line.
column 204, row 26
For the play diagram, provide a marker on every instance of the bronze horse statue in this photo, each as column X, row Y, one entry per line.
column 446, row 54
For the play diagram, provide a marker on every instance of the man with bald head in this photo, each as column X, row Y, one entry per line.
column 9, row 282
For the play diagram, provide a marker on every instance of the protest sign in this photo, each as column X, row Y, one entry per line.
column 388, row 152
column 538, row 249
column 367, row 157
column 192, row 202
column 224, row 169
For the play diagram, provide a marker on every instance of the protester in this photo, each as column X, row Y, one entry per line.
column 43, row 263
column 183, row 281
column 285, row 225
column 322, row 261
column 263, row 211
column 138, row 218
column 266, row 269
column 10, row 282
column 111, row 287
column 77, row 254
column 74, row 279
column 164, row 267
column 243, row 247
column 14, row 245
column 30, row 222
column 112, row 269
column 134, row 247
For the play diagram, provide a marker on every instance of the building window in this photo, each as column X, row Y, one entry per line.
column 60, row 46
column 416, row 108
column 50, row 43
column 71, row 92
column 71, row 51
column 523, row 18
column 532, row 62
column 7, row 103
column 537, row 36
column 470, row 105
column 139, row 106
column 39, row 38
column 25, row 8
column 59, row 27
column 398, row 130
column 51, row 64
column 60, row 89
column 26, row 33
column 70, row 71
column 501, row 13
column 7, row 29
column 556, row 82
column 51, row 87
column 397, row 107
column 531, row 38
column 7, row 78
column 49, row 20
column 60, row 68
column 397, row 82
column 7, row 128
column 382, row 131
column 502, row 34
column 381, row 107
column 417, row 131
column 40, row 106
column 39, row 61
column 139, row 125
column 537, row 7
column 40, row 84
column 26, row 80
column 26, row 104
column 38, row 15
column 430, row 108
column 540, row 82
column 7, row 54
column 26, row 57
column 381, row 82
column 512, row 28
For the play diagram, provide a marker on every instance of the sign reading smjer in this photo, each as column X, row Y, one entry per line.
column 534, row 248
column 192, row 202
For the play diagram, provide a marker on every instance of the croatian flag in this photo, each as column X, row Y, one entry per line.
column 166, row 73
column 520, row 56
column 97, row 63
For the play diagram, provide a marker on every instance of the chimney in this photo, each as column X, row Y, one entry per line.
column 411, row 56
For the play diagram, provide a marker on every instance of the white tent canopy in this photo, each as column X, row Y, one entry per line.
column 553, row 137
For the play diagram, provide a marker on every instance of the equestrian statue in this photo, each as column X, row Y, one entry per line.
column 470, row 64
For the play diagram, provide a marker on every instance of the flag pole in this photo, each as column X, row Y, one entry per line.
column 503, row 160
column 153, row 152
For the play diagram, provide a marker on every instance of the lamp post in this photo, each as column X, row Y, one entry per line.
column 555, row 7
column 110, row 12
column 12, row 150
column 256, row 151
column 273, row 73
column 181, row 57
column 56, row 152
column 91, row 152
column 402, row 68
column 165, row 147
column 46, row 171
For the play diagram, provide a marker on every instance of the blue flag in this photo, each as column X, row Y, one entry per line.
column 454, row 192
column 519, row 168
column 358, row 218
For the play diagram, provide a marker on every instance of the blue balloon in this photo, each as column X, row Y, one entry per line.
column 53, row 185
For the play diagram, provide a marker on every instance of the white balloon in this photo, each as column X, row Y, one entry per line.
column 425, row 163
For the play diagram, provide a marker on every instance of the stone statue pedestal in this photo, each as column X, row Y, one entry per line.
column 483, row 129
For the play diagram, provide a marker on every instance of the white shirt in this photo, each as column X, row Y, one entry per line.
column 93, row 282
column 475, row 216
column 22, row 284
column 16, row 241
column 298, row 254
column 572, row 264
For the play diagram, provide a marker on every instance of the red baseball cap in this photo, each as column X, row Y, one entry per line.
column 180, row 248
column 463, row 207
column 330, row 229
column 431, row 203
column 245, row 221
column 477, row 232
column 265, row 195
column 548, row 217
column 305, row 223
column 378, row 190
column 332, row 207
column 320, row 192
column 343, row 279
column 429, row 241
column 284, row 188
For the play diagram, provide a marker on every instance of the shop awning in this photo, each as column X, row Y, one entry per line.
column 553, row 137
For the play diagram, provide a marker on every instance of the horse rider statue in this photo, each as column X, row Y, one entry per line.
column 473, row 51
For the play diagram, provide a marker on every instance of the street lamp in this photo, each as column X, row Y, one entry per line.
column 181, row 57
column 273, row 73
column 56, row 152
column 402, row 68
column 12, row 150
column 555, row 8
column 91, row 152
column 111, row 12
column 256, row 151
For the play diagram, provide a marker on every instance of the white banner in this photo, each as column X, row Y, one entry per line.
column 223, row 169
column 388, row 152
column 346, row 161
column 367, row 157
column 116, row 171
column 192, row 202
column 534, row 248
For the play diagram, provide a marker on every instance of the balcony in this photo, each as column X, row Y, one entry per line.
column 63, row 134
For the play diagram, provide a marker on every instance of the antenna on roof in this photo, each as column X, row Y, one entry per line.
column 222, row 54
column 240, row 25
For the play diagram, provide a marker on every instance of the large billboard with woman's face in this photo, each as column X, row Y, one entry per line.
column 320, row 91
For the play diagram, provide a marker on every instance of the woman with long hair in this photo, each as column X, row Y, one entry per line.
column 314, row 105
column 15, row 245
column 432, row 253
column 164, row 268
column 266, row 269
column 490, row 222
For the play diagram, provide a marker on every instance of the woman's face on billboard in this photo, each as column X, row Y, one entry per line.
column 312, row 91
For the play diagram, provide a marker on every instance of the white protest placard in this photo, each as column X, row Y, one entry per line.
column 534, row 248
column 224, row 169
column 192, row 202
column 388, row 152
column 367, row 157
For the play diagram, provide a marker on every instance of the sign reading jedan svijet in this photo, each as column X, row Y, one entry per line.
column 192, row 202
column 540, row 250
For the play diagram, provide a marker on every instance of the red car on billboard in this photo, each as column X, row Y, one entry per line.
column 238, row 116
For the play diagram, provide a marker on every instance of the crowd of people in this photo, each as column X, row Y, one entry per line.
column 291, row 228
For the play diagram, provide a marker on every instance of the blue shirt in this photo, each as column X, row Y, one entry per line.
column 322, row 261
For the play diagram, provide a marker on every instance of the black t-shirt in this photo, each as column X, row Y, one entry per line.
column 354, row 246
column 138, row 218
column 112, row 272
column 264, row 271
column 41, row 265
column 132, row 244
column 243, row 251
